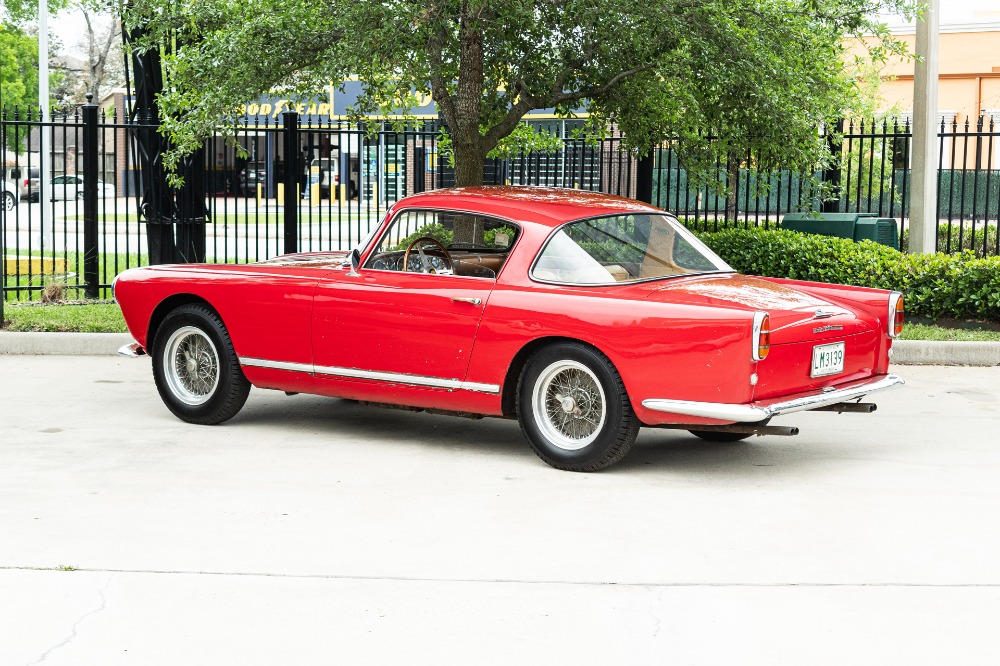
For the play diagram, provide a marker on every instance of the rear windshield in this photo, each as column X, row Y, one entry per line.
column 623, row 248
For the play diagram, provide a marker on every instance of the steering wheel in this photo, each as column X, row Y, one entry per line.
column 450, row 267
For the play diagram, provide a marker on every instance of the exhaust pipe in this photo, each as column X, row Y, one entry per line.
column 854, row 407
column 741, row 428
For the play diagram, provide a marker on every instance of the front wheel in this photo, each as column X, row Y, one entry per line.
column 9, row 202
column 195, row 367
column 573, row 408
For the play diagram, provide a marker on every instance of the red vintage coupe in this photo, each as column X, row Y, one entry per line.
column 583, row 315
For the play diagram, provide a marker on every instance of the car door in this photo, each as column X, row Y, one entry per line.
column 58, row 188
column 408, row 328
column 74, row 187
column 381, row 322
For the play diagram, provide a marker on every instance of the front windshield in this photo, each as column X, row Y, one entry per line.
column 624, row 248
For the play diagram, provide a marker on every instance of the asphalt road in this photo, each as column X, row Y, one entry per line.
column 314, row 531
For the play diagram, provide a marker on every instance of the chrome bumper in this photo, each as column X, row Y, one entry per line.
column 753, row 413
column 133, row 350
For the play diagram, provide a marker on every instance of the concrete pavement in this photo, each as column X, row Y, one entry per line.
column 314, row 531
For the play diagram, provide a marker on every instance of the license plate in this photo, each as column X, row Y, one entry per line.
column 827, row 360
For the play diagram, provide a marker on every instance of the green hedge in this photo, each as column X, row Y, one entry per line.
column 938, row 286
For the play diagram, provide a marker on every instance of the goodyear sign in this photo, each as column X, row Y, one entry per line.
column 333, row 104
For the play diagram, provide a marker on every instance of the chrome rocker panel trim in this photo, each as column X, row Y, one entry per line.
column 132, row 350
column 355, row 373
column 750, row 413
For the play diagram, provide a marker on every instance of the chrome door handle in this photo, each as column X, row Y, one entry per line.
column 474, row 301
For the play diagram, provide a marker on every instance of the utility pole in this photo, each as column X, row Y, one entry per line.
column 923, row 200
column 45, row 133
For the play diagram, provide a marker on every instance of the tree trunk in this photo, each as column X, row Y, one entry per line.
column 467, row 142
column 468, row 167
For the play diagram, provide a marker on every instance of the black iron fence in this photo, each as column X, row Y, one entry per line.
column 873, row 177
column 278, row 186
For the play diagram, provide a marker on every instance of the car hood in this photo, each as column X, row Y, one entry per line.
column 795, row 315
column 308, row 260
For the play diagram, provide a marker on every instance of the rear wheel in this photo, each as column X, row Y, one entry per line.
column 195, row 367
column 716, row 436
column 573, row 408
column 9, row 202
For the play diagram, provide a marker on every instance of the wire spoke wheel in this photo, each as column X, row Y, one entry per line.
column 191, row 365
column 569, row 404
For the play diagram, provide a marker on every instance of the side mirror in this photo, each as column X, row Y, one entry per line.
column 355, row 261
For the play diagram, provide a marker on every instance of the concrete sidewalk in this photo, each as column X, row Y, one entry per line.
column 905, row 352
column 309, row 530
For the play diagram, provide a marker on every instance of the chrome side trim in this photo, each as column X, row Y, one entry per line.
column 355, row 373
column 750, row 413
column 132, row 350
column 276, row 365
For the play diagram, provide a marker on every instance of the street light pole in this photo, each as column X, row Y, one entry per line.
column 923, row 202
column 45, row 133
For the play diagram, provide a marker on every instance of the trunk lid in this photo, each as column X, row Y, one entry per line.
column 796, row 316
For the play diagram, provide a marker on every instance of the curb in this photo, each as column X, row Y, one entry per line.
column 905, row 352
column 932, row 352
column 64, row 344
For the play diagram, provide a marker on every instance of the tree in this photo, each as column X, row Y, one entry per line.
column 102, row 64
column 18, row 78
column 722, row 76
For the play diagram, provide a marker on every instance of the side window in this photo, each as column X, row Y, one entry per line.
column 444, row 243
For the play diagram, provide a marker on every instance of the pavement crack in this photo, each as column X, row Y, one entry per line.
column 79, row 621
column 989, row 584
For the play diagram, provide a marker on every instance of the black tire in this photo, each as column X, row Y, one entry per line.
column 9, row 201
column 209, row 387
column 715, row 436
column 79, row 195
column 590, row 428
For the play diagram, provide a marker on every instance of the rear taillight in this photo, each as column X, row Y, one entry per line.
column 895, row 314
column 761, row 336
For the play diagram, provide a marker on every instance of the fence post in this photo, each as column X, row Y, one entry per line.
column 91, row 274
column 832, row 175
column 290, row 119
column 644, row 178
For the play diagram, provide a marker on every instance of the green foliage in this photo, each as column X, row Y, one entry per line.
column 435, row 230
column 958, row 286
column 18, row 76
column 723, row 76
column 489, row 237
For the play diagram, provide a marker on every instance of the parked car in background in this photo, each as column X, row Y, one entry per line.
column 25, row 181
column 70, row 187
column 9, row 195
column 583, row 315
column 250, row 177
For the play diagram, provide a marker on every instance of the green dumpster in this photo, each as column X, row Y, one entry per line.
column 855, row 226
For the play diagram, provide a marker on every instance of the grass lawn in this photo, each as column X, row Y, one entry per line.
column 109, row 266
column 99, row 317
column 913, row 331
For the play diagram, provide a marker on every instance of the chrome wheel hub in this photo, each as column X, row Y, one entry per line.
column 568, row 404
column 191, row 365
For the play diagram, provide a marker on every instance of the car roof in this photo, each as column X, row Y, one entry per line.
column 549, row 206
